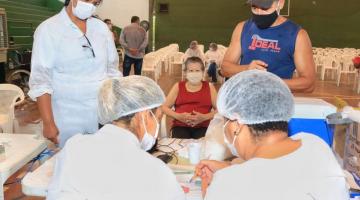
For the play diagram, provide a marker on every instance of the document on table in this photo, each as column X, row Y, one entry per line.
column 194, row 188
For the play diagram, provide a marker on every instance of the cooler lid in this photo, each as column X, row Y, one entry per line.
column 311, row 108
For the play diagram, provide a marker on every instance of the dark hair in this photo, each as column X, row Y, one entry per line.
column 107, row 20
column 194, row 60
column 66, row 3
column 135, row 19
column 214, row 46
column 259, row 130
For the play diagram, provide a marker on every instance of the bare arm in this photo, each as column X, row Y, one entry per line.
column 231, row 59
column 305, row 66
column 145, row 42
column 50, row 130
column 123, row 41
column 170, row 102
column 230, row 65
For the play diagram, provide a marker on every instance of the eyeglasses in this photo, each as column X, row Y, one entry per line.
column 89, row 46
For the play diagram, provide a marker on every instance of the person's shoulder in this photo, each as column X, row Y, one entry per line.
column 100, row 25
column 311, row 141
column 48, row 24
column 224, row 180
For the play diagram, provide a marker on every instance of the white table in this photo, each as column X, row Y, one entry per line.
column 36, row 183
column 19, row 150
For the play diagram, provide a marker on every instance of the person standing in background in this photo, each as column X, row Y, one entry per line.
column 110, row 26
column 271, row 42
column 72, row 54
column 134, row 40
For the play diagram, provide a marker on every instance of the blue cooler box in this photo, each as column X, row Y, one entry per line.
column 310, row 117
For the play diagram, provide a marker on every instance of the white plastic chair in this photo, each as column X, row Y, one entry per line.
column 201, row 47
column 346, row 68
column 11, row 96
column 176, row 59
column 357, row 82
column 328, row 64
column 163, row 128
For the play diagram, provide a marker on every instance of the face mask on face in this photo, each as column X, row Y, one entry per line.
column 265, row 21
column 83, row 10
column 148, row 141
column 194, row 77
column 231, row 146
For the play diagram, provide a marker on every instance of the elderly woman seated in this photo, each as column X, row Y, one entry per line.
column 194, row 102
column 257, row 106
column 112, row 163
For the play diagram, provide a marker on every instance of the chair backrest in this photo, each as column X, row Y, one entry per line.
column 19, row 97
column 177, row 56
column 328, row 62
column 201, row 47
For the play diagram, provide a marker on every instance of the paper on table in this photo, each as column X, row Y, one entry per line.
column 195, row 189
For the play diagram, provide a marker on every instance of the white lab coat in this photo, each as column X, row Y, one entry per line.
column 62, row 67
column 311, row 172
column 111, row 165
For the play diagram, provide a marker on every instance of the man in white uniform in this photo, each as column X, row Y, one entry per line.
column 72, row 54
column 113, row 163
column 276, row 167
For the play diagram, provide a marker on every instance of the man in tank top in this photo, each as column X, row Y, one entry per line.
column 273, row 43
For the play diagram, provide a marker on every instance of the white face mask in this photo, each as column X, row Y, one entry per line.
column 148, row 141
column 194, row 77
column 231, row 146
column 83, row 10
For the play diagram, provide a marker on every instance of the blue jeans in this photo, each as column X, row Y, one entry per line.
column 128, row 61
column 212, row 72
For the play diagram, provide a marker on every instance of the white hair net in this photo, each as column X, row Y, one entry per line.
column 255, row 97
column 119, row 97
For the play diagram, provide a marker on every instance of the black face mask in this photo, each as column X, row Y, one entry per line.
column 265, row 21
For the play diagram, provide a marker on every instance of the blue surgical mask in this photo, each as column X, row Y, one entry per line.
column 231, row 146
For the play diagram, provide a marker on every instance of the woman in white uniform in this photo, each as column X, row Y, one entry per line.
column 113, row 163
column 276, row 167
column 72, row 54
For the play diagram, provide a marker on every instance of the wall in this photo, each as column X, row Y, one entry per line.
column 331, row 23
column 119, row 11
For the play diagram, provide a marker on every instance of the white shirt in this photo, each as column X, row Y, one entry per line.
column 60, row 62
column 309, row 173
column 214, row 56
column 111, row 165
column 194, row 53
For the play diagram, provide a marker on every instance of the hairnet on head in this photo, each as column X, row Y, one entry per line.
column 255, row 97
column 119, row 97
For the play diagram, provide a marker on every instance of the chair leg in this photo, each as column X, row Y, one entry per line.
column 338, row 79
column 323, row 70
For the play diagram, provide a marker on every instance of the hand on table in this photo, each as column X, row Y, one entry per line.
column 206, row 169
column 258, row 64
column 51, row 132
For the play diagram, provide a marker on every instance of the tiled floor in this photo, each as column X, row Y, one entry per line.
column 28, row 115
